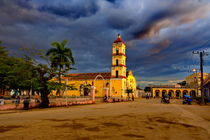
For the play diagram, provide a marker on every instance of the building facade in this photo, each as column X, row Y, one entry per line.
column 194, row 81
column 114, row 83
column 174, row 91
column 206, row 86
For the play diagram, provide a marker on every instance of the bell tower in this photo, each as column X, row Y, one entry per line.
column 118, row 59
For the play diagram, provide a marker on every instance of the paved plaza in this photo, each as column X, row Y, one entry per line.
column 141, row 119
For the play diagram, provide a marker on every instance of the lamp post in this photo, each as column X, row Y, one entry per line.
column 196, row 79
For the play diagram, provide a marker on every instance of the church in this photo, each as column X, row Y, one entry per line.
column 115, row 83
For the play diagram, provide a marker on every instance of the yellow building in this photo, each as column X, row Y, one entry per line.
column 115, row 83
column 174, row 91
column 194, row 81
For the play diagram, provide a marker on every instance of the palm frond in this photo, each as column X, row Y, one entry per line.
column 64, row 42
column 52, row 52
column 55, row 44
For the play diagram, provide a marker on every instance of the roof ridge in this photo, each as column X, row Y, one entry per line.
column 89, row 73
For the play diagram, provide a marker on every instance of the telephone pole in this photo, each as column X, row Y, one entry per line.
column 201, row 54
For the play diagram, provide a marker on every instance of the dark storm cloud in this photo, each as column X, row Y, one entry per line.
column 154, row 24
column 112, row 1
column 181, row 13
column 72, row 11
column 13, row 12
column 117, row 21
column 160, row 46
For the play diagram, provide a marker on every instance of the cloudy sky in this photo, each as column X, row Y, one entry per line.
column 160, row 34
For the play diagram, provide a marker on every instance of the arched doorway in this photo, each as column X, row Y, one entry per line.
column 185, row 92
column 85, row 89
column 99, row 85
column 193, row 93
column 157, row 93
column 164, row 92
column 178, row 93
column 170, row 93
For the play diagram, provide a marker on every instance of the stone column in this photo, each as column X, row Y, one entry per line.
column 92, row 93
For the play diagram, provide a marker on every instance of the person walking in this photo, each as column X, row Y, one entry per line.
column 26, row 103
column 132, row 97
column 17, row 100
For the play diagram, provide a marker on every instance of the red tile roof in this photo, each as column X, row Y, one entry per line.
column 87, row 76
column 118, row 39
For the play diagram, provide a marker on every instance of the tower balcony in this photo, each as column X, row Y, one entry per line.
column 120, row 65
column 119, row 54
column 119, row 77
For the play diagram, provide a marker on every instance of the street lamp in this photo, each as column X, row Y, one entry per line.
column 196, row 79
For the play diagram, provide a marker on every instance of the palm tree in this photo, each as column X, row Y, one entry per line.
column 61, row 58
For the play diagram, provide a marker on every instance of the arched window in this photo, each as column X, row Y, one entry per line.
column 117, row 62
column 117, row 74
column 117, row 52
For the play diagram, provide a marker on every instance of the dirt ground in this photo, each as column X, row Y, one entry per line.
column 141, row 119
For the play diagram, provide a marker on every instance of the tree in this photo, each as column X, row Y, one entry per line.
column 61, row 59
column 183, row 83
column 44, row 75
column 19, row 74
column 26, row 73
column 3, row 67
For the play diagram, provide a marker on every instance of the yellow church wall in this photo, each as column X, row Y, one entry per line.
column 116, row 87
column 124, row 87
column 99, row 87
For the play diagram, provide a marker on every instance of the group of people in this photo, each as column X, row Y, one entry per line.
column 130, row 97
column 26, row 101
column 165, row 99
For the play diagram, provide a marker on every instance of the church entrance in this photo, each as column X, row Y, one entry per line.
column 85, row 89
column 99, row 85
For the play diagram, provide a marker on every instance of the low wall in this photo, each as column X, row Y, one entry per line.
column 36, row 105
column 20, row 106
